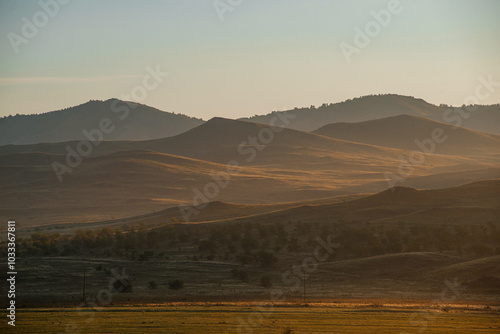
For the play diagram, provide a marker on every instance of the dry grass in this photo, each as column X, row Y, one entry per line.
column 124, row 179
column 242, row 319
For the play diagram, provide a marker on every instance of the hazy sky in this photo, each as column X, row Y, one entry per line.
column 264, row 55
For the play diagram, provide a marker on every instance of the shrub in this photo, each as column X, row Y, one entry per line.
column 240, row 274
column 122, row 285
column 153, row 285
column 176, row 284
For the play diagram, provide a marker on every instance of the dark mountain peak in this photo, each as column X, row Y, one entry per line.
column 412, row 132
column 221, row 120
column 386, row 97
column 139, row 122
column 396, row 194
column 219, row 128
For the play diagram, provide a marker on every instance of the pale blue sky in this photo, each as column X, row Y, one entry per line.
column 265, row 55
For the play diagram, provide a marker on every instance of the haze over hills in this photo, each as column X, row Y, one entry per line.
column 482, row 118
column 195, row 201
column 152, row 186
column 118, row 185
column 406, row 132
column 130, row 121
column 435, row 179
column 141, row 122
column 475, row 202
column 129, row 183
column 277, row 165
column 222, row 140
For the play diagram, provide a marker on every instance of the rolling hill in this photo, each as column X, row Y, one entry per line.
column 469, row 204
column 411, row 133
column 222, row 140
column 259, row 200
column 474, row 202
column 150, row 175
column 130, row 121
column 129, row 183
column 141, row 122
column 483, row 118
column 119, row 185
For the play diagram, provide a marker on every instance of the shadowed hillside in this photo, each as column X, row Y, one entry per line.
column 484, row 118
column 474, row 202
column 222, row 140
column 130, row 121
column 141, row 122
column 411, row 133
column 289, row 165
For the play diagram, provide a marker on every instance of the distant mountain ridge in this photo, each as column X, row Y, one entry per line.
column 145, row 123
column 130, row 121
column 483, row 118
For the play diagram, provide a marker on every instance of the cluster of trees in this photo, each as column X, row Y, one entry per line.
column 328, row 105
column 264, row 244
column 3, row 118
column 462, row 240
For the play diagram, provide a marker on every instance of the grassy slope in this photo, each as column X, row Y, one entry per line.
column 402, row 131
column 295, row 166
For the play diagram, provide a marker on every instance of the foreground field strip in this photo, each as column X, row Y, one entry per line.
column 246, row 310
column 259, row 319
column 267, row 308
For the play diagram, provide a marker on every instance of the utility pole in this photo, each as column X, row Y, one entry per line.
column 304, row 287
column 84, row 284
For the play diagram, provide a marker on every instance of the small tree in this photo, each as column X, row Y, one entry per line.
column 122, row 285
column 153, row 285
column 176, row 284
